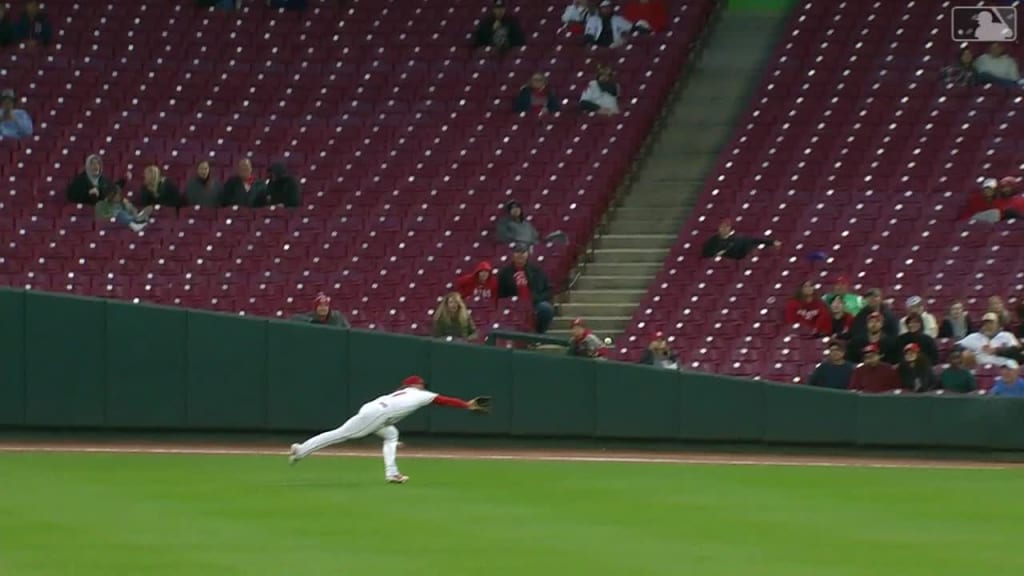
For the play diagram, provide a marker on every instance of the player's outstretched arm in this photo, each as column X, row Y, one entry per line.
column 476, row 405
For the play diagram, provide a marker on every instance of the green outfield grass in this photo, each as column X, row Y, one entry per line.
column 112, row 515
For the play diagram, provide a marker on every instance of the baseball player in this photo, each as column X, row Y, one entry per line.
column 379, row 417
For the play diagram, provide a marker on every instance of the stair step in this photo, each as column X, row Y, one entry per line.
column 639, row 269
column 595, row 282
column 579, row 310
column 607, row 296
column 638, row 241
column 631, row 227
column 601, row 325
column 630, row 256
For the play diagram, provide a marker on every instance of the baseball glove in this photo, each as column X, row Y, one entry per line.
column 480, row 404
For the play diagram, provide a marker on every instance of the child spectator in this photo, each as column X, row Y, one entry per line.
column 873, row 303
column 962, row 73
column 988, row 344
column 1009, row 383
column 601, row 94
column 481, row 284
column 915, row 371
column 915, row 305
column 647, row 16
column 852, row 303
column 997, row 67
column 835, row 372
column 575, row 16
column 323, row 314
column 530, row 284
column 86, row 188
column 728, row 244
column 452, row 319
column 836, row 324
column 957, row 325
column 7, row 28
column 606, row 28
column 33, row 28
column 583, row 343
column 203, row 189
column 984, row 205
column 243, row 189
column 499, row 30
column 537, row 96
column 915, row 335
column 873, row 376
column 515, row 228
column 659, row 354
column 956, row 378
column 282, row 189
column 157, row 190
column 886, row 345
column 15, row 123
column 805, row 308
column 114, row 206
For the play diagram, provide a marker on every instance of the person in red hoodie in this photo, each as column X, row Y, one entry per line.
column 647, row 15
column 805, row 307
column 874, row 376
column 984, row 205
column 480, row 284
column 837, row 323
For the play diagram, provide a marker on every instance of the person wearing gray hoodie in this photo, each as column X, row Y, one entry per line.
column 515, row 228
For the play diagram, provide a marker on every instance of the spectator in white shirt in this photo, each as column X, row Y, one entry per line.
column 606, row 28
column 602, row 94
column 997, row 67
column 986, row 345
column 575, row 16
column 915, row 305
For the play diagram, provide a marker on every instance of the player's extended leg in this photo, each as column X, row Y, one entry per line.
column 362, row 424
column 390, row 436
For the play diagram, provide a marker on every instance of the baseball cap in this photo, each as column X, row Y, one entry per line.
column 990, row 183
column 990, row 317
column 7, row 94
column 499, row 3
column 322, row 298
column 871, row 349
column 414, row 380
column 577, row 322
column 914, row 301
column 520, row 248
column 659, row 335
column 875, row 314
column 1011, row 364
column 912, row 346
column 606, row 3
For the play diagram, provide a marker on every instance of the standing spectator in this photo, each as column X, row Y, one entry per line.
column 887, row 345
column 606, row 28
column 575, row 16
column 530, row 284
column 915, row 335
column 515, row 228
column 962, row 73
column 835, row 372
column 915, row 371
column 728, row 244
column 873, row 303
column 957, row 325
column 480, row 284
column 805, row 308
column 537, row 96
column 87, row 187
column 998, row 307
column 601, row 94
column 242, row 189
column 157, row 190
column 34, row 26
column 7, row 28
column 984, row 205
column 997, row 67
column 282, row 189
column 647, row 16
column 956, row 378
column 203, row 189
column 452, row 319
column 915, row 305
column 583, row 343
column 836, row 325
column 499, row 30
column 15, row 123
column 114, row 206
column 659, row 354
column 988, row 345
column 852, row 303
column 874, row 376
column 323, row 314
column 1009, row 383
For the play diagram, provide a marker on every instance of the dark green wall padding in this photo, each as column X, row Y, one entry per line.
column 68, row 362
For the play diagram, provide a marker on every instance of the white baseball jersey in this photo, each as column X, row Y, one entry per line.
column 976, row 341
column 401, row 403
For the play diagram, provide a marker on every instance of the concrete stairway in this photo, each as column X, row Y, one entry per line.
column 640, row 231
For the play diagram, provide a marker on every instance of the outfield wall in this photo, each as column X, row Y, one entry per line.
column 68, row 362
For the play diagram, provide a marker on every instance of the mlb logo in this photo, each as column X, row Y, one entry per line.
column 984, row 23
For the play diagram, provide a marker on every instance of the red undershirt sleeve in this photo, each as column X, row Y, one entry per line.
column 450, row 402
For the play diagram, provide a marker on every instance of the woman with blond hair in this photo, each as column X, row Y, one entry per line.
column 452, row 319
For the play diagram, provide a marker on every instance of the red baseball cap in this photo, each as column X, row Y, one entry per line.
column 414, row 380
column 871, row 349
column 659, row 335
column 912, row 346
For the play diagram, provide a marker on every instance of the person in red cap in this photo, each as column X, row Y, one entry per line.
column 583, row 342
column 874, row 376
column 888, row 346
column 379, row 416
column 915, row 371
column 479, row 285
column 659, row 354
column 805, row 309
column 323, row 315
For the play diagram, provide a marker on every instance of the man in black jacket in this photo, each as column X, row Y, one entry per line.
column 499, row 29
column 528, row 282
column 873, row 303
column 728, row 244
column 888, row 346
column 243, row 189
column 282, row 188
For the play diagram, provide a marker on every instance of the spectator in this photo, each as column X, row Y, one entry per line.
column 452, row 319
column 887, row 345
column 659, row 354
column 647, row 16
column 323, row 314
column 915, row 371
column 601, row 94
column 7, row 28
column 86, row 187
column 499, row 29
column 34, row 26
column 243, row 189
column 805, row 308
column 15, row 123
column 515, row 228
column 984, row 205
column 956, row 378
column 203, row 189
column 583, row 343
column 957, row 325
column 997, row 307
column 987, row 345
column 996, row 67
column 1009, row 383
column 530, row 284
column 606, row 28
column 852, row 303
column 480, row 284
column 835, row 372
column 728, row 244
column 915, row 335
column 537, row 96
column 836, row 324
column 915, row 305
column 873, row 303
column 962, row 73
column 575, row 16
column 282, row 189
column 114, row 206
column 873, row 376
column 1012, row 203
column 157, row 190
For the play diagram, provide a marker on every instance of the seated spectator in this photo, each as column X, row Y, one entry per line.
column 873, row 376
column 537, row 96
column 998, row 307
column 886, row 345
column 323, row 314
column 836, row 324
column 530, row 284
column 481, row 284
column 282, row 189
column 452, row 319
column 835, row 372
column 157, row 190
column 602, row 94
column 86, row 187
column 15, row 123
column 873, row 302
column 659, row 354
column 961, row 73
column 243, row 189
column 33, row 28
column 915, row 305
column 997, row 67
column 1009, row 384
column 7, row 27
column 990, row 344
column 805, row 308
column 852, row 302
column 915, row 335
column 915, row 371
column 728, row 244
column 203, row 189
column 606, row 28
column 957, row 325
column 647, row 16
column 984, row 205
column 515, row 228
column 575, row 16
column 583, row 343
column 1012, row 202
column 499, row 29
column 114, row 206
column 956, row 378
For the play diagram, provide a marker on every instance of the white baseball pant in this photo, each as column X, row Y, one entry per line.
column 371, row 419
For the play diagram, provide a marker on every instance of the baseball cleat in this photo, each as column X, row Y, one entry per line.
column 293, row 456
column 397, row 479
